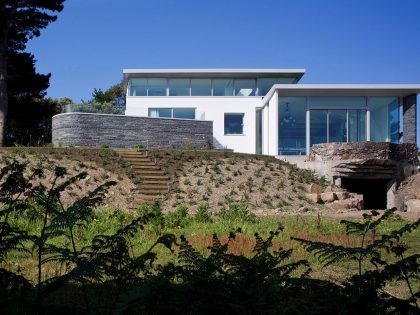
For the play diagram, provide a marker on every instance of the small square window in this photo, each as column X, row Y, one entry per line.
column 234, row 124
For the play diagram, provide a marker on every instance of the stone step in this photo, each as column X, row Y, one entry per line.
column 153, row 188
column 145, row 172
column 145, row 167
column 154, row 183
column 153, row 177
column 146, row 162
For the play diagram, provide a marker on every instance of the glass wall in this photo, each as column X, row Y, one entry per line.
column 234, row 124
column 203, row 86
column 179, row 87
column 319, row 126
column 265, row 84
column 292, row 126
column 181, row 113
column 244, row 87
column 200, row 87
column 222, row 87
column 384, row 119
column 156, row 87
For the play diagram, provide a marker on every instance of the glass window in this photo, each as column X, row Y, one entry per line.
column 156, row 87
column 160, row 112
column 336, row 102
column 319, row 126
column 337, row 125
column 184, row 113
column 234, row 124
column 357, row 125
column 222, row 87
column 292, row 126
column 179, row 87
column 137, row 87
column 384, row 119
column 244, row 87
column 265, row 84
column 200, row 87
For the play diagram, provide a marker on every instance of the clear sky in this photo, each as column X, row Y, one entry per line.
column 336, row 41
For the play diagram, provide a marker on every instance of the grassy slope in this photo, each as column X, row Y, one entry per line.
column 218, row 178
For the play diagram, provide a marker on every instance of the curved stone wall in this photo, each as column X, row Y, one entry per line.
column 118, row 131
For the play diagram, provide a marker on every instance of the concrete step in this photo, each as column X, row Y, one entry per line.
column 154, row 182
column 152, row 177
column 146, row 162
column 146, row 172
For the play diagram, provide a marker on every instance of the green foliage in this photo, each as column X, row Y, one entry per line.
column 94, row 107
column 104, row 146
column 178, row 217
column 103, row 265
column 203, row 214
column 138, row 147
column 237, row 213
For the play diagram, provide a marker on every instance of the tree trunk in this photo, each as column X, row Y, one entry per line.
column 4, row 102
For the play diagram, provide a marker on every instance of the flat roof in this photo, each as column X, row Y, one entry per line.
column 400, row 90
column 215, row 73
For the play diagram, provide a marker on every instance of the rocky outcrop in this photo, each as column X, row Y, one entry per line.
column 405, row 152
column 335, row 198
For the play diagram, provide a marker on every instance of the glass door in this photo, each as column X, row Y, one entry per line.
column 337, row 125
column 319, row 126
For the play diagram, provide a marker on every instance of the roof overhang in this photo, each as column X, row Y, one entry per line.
column 214, row 73
column 400, row 90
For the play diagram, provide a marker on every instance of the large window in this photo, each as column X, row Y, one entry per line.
column 180, row 113
column 179, row 87
column 156, row 87
column 292, row 125
column 384, row 119
column 222, row 87
column 234, row 124
column 201, row 87
column 265, row 84
column 138, row 87
column 244, row 87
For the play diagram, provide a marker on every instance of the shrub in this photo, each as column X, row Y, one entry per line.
column 138, row 147
column 203, row 214
column 104, row 146
column 238, row 212
column 178, row 217
column 154, row 211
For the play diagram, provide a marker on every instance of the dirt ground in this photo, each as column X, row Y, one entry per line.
column 118, row 196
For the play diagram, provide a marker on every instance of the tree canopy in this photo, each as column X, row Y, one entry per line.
column 20, row 21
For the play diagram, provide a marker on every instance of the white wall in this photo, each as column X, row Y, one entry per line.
column 208, row 108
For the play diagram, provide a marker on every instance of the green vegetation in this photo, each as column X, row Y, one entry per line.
column 76, row 258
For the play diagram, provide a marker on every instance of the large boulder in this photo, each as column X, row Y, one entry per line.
column 315, row 189
column 328, row 197
column 316, row 198
column 413, row 205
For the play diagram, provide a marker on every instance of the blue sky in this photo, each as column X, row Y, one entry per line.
column 336, row 41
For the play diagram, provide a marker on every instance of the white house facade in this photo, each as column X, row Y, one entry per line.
column 266, row 111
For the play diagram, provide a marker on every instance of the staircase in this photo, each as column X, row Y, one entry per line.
column 154, row 183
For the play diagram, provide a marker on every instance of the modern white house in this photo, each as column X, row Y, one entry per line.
column 266, row 111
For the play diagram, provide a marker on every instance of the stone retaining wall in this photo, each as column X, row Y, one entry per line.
column 405, row 152
column 118, row 131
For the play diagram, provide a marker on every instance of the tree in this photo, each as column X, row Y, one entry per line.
column 115, row 95
column 20, row 20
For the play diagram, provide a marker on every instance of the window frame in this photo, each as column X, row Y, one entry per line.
column 172, row 112
column 242, row 125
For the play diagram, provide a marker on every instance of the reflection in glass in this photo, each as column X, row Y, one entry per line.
column 244, row 87
column 200, row 87
column 156, row 87
column 357, row 125
column 222, row 87
column 265, row 84
column 319, row 126
column 384, row 119
column 184, row 113
column 160, row 112
column 137, row 87
column 234, row 124
column 337, row 102
column 292, row 126
column 337, row 126
column 179, row 87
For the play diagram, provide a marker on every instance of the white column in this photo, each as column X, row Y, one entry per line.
column 265, row 130
column 308, row 127
column 368, row 125
column 273, row 124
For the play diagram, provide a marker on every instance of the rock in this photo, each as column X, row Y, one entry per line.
column 401, row 199
column 315, row 189
column 342, row 195
column 413, row 205
column 314, row 197
column 328, row 197
column 340, row 205
column 303, row 209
